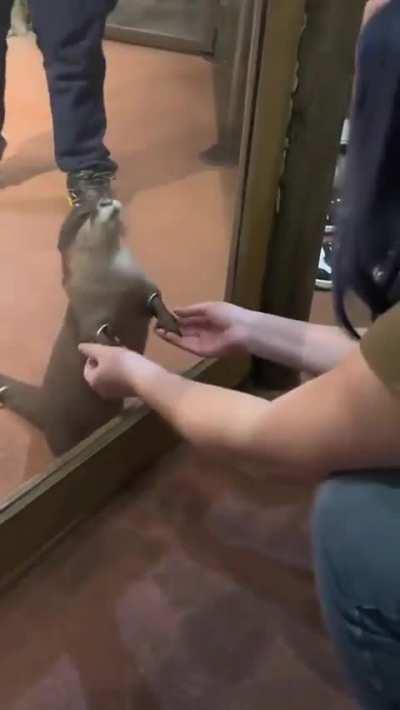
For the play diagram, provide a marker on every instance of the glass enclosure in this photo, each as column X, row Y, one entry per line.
column 180, row 92
column 189, row 24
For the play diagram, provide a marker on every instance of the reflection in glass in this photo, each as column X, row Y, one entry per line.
column 189, row 20
column 175, row 127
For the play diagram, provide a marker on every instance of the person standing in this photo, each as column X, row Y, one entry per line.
column 70, row 37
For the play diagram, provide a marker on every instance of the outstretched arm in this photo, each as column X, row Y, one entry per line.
column 219, row 329
column 345, row 419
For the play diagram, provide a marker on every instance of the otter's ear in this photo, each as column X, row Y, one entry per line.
column 165, row 318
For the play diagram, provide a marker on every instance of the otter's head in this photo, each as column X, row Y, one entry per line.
column 111, row 300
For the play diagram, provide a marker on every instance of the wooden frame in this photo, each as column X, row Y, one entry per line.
column 148, row 39
column 320, row 105
column 86, row 477
column 162, row 40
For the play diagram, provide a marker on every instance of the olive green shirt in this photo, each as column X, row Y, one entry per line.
column 381, row 347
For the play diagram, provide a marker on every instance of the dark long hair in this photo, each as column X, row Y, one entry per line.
column 367, row 260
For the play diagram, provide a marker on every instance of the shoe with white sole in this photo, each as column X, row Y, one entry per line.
column 324, row 280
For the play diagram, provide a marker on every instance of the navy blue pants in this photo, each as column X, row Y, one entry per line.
column 69, row 34
column 356, row 536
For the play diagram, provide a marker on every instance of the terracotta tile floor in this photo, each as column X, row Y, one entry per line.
column 178, row 211
column 192, row 591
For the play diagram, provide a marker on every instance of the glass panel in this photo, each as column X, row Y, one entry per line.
column 180, row 183
column 188, row 20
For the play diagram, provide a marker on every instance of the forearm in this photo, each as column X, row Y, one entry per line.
column 239, row 427
column 304, row 347
column 342, row 421
column 208, row 417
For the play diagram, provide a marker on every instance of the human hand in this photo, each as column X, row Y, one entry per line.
column 371, row 8
column 210, row 329
column 113, row 372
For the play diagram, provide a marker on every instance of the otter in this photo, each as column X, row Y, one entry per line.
column 110, row 301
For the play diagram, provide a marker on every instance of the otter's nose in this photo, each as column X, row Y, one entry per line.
column 107, row 208
column 105, row 202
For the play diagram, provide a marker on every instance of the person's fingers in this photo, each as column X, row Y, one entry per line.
column 197, row 309
column 194, row 321
column 190, row 332
column 91, row 350
column 179, row 342
column 187, row 333
column 169, row 337
column 89, row 370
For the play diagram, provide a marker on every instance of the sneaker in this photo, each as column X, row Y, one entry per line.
column 324, row 280
column 89, row 186
column 324, row 275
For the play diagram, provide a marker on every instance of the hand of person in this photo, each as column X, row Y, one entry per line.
column 112, row 371
column 210, row 329
column 371, row 8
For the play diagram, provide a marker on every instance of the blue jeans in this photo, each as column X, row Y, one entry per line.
column 70, row 35
column 356, row 536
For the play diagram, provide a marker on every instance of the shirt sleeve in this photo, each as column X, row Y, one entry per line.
column 381, row 348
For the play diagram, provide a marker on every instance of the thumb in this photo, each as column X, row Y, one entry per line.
column 90, row 350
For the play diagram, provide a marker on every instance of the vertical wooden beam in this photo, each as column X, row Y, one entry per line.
column 283, row 25
column 321, row 101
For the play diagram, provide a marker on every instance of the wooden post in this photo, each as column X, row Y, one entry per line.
column 282, row 29
column 321, row 101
